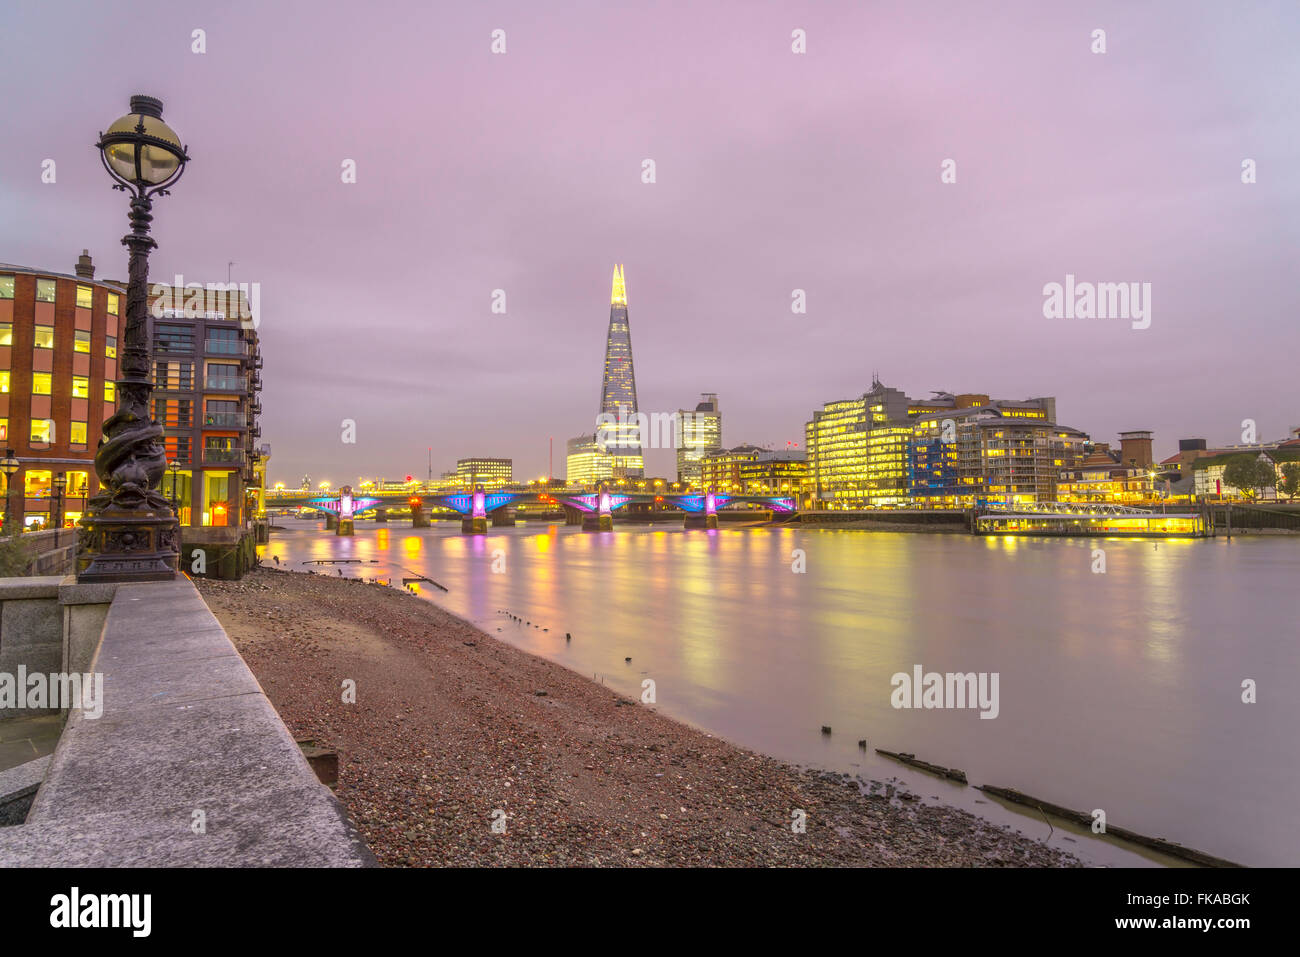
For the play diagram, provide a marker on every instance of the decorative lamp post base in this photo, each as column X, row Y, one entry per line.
column 128, row 545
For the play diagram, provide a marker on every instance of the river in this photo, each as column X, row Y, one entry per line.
column 1118, row 690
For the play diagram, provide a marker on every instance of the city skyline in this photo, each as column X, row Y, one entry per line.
column 377, row 295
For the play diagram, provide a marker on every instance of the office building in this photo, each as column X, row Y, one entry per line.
column 58, row 365
column 699, row 433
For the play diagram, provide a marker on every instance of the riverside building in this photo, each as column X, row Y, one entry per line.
column 207, row 380
column 885, row 450
column 488, row 472
column 58, row 365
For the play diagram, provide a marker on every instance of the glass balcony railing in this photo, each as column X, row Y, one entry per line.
column 226, row 383
column 225, row 347
column 225, row 420
column 223, row 456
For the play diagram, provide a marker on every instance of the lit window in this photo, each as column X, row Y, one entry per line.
column 41, row 383
column 112, row 304
column 110, row 392
column 110, row 347
column 76, row 480
column 36, row 483
column 44, row 337
column 4, row 381
column 80, row 387
column 6, row 287
column 84, row 297
column 45, row 290
column 6, row 333
column 41, row 430
column 4, row 430
column 77, row 434
column 82, row 342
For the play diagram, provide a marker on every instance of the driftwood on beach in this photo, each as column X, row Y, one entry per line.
column 953, row 774
column 1124, row 834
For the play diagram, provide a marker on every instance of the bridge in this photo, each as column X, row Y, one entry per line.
column 592, row 510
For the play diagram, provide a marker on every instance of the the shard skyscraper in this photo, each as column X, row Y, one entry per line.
column 618, row 428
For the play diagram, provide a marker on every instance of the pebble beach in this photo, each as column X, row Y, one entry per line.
column 462, row 750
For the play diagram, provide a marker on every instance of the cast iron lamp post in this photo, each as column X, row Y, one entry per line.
column 56, row 510
column 9, row 465
column 129, row 532
column 174, row 468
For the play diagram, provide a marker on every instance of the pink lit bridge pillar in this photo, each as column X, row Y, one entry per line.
column 475, row 523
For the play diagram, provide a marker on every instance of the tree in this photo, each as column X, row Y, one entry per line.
column 1290, row 482
column 15, row 557
column 1250, row 474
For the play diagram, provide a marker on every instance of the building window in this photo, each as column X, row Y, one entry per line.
column 77, row 433
column 82, row 342
column 84, row 297
column 223, row 341
column 170, row 338
column 4, row 381
column 78, row 484
column 110, row 392
column 216, row 494
column 110, row 347
column 44, row 337
column 6, row 287
column 41, row 430
column 41, row 383
column 80, row 387
column 174, row 376
column 112, row 304
column 174, row 413
column 4, row 430
column 6, row 333
column 36, row 483
column 45, row 290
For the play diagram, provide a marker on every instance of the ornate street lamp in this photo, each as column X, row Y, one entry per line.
column 56, row 510
column 129, row 531
column 174, row 468
column 9, row 465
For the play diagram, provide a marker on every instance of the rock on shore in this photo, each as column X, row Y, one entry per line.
column 453, row 732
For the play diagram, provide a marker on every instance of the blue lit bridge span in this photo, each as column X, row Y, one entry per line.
column 589, row 509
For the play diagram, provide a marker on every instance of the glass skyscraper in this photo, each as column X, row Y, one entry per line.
column 618, row 429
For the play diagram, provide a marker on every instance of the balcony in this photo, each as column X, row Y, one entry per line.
column 225, row 383
column 225, row 347
column 224, row 420
column 223, row 456
column 256, row 382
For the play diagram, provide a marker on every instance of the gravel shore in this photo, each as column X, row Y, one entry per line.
column 453, row 729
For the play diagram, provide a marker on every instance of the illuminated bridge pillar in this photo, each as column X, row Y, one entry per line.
column 503, row 518
column 345, row 525
column 419, row 517
column 572, row 516
column 475, row 523
column 707, row 517
column 601, row 520
column 381, row 515
column 331, row 521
